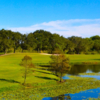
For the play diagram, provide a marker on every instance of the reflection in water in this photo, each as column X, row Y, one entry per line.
column 76, row 69
column 62, row 97
column 91, row 76
column 83, row 95
column 82, row 68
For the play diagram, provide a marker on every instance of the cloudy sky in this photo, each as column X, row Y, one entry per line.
column 64, row 17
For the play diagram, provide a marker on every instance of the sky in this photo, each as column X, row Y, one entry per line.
column 64, row 17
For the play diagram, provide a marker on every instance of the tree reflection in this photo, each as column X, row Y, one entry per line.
column 76, row 69
column 62, row 97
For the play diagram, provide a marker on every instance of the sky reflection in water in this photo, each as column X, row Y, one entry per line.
column 91, row 93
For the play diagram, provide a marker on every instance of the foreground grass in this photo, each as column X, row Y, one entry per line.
column 51, row 89
column 11, row 74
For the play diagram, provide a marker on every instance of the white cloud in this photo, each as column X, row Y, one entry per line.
column 67, row 28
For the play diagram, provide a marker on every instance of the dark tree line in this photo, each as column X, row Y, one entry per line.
column 41, row 40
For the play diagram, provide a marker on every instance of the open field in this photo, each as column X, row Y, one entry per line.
column 11, row 74
column 10, row 70
column 45, row 58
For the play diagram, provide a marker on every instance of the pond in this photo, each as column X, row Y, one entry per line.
column 82, row 70
column 83, row 95
column 75, row 71
column 72, row 89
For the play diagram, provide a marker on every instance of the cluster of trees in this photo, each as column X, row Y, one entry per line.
column 41, row 40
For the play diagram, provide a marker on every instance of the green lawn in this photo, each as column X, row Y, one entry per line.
column 11, row 74
column 84, row 58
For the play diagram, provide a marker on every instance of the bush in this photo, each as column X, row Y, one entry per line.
column 87, row 53
column 94, row 52
column 10, row 50
column 19, row 49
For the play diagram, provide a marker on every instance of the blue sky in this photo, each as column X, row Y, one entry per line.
column 65, row 17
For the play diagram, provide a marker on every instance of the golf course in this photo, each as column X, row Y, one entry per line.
column 40, row 81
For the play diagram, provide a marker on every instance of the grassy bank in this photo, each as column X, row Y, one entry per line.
column 40, row 81
column 11, row 74
column 51, row 89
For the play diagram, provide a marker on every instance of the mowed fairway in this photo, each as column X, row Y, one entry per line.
column 84, row 58
column 11, row 73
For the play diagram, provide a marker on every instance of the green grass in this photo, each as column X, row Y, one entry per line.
column 97, row 74
column 53, row 89
column 11, row 74
column 11, row 70
column 84, row 58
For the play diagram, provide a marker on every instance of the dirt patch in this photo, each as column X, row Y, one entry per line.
column 45, row 54
column 6, row 54
column 48, row 54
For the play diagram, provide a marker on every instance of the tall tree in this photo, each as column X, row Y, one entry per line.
column 27, row 64
column 87, row 44
column 58, row 42
column 31, row 41
column 54, row 63
column 24, row 44
column 96, row 45
column 96, row 37
column 78, row 43
column 60, row 63
column 16, row 40
column 6, row 39
column 70, row 47
column 96, row 40
column 43, row 39
column 64, row 65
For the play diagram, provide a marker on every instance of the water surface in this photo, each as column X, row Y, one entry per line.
column 83, row 95
column 77, row 69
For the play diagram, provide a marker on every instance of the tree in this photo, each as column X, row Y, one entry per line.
column 88, row 44
column 31, row 41
column 54, row 63
column 96, row 37
column 70, row 47
column 43, row 39
column 27, row 64
column 60, row 63
column 96, row 45
column 16, row 40
column 58, row 42
column 64, row 65
column 78, row 43
column 5, row 39
column 24, row 44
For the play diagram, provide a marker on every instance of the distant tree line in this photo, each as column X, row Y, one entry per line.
column 44, row 41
